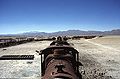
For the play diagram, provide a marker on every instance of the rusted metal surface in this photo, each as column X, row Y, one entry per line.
column 85, row 37
column 60, row 41
column 17, row 57
column 60, row 61
column 59, row 68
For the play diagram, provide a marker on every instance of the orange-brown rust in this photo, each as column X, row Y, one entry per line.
column 60, row 61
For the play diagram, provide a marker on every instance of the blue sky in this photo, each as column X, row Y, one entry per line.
column 17, row 16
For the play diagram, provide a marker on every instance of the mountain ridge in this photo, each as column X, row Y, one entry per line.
column 69, row 33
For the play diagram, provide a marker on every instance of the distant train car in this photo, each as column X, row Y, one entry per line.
column 60, row 61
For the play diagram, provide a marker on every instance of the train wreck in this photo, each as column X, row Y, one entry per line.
column 60, row 61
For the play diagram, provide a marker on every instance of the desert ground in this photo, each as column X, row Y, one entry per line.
column 100, row 57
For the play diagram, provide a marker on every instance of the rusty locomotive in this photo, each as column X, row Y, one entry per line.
column 60, row 61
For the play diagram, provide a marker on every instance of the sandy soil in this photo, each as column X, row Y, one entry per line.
column 100, row 58
column 109, row 41
column 20, row 69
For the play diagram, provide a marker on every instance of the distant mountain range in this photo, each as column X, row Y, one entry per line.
column 69, row 33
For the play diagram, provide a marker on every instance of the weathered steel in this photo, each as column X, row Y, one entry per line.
column 85, row 37
column 60, row 61
column 17, row 57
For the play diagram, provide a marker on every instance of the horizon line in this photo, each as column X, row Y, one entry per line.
column 54, row 31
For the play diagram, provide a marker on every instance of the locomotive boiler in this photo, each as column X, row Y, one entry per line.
column 60, row 61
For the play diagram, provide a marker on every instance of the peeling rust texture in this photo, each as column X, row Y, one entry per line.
column 17, row 57
column 60, row 61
